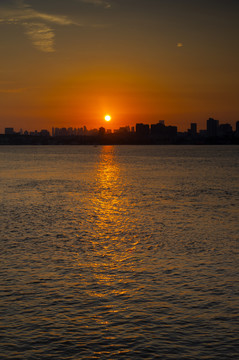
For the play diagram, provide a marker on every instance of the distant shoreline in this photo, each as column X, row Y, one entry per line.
column 114, row 139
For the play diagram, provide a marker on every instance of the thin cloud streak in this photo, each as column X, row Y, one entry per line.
column 42, row 36
column 36, row 24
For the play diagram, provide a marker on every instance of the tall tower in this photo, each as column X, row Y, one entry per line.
column 193, row 128
column 212, row 127
column 237, row 127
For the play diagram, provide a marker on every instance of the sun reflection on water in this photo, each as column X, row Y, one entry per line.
column 109, row 183
column 109, row 249
column 110, row 206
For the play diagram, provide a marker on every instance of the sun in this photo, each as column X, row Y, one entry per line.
column 107, row 117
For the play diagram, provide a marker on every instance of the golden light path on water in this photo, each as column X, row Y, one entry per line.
column 111, row 247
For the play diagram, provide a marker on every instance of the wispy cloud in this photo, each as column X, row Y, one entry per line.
column 42, row 36
column 38, row 26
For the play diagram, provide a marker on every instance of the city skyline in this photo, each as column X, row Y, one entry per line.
column 144, row 134
column 193, row 127
column 71, row 63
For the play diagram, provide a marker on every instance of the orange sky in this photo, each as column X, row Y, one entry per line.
column 67, row 64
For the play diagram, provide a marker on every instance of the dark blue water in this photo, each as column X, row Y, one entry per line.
column 116, row 252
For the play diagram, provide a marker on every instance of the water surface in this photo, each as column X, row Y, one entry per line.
column 119, row 252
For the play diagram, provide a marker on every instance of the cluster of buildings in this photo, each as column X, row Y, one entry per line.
column 141, row 133
column 10, row 131
column 215, row 129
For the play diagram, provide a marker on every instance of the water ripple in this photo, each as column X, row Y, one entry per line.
column 119, row 253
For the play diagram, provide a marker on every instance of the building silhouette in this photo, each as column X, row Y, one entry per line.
column 158, row 129
column 9, row 131
column 193, row 129
column 212, row 127
column 142, row 130
column 237, row 127
column 102, row 131
column 158, row 133
column 163, row 132
column 225, row 130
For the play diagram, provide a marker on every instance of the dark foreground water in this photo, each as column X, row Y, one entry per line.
column 124, row 252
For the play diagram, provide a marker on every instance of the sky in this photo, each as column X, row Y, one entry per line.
column 68, row 63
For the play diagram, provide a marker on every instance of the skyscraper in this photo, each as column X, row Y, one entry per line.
column 212, row 127
column 193, row 128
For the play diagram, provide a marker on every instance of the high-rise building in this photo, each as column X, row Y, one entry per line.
column 44, row 132
column 101, row 131
column 237, row 127
column 225, row 130
column 193, row 129
column 9, row 131
column 158, row 129
column 212, row 127
column 142, row 129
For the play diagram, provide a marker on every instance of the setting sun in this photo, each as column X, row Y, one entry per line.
column 107, row 117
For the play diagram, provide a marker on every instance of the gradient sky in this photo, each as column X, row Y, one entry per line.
column 69, row 62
